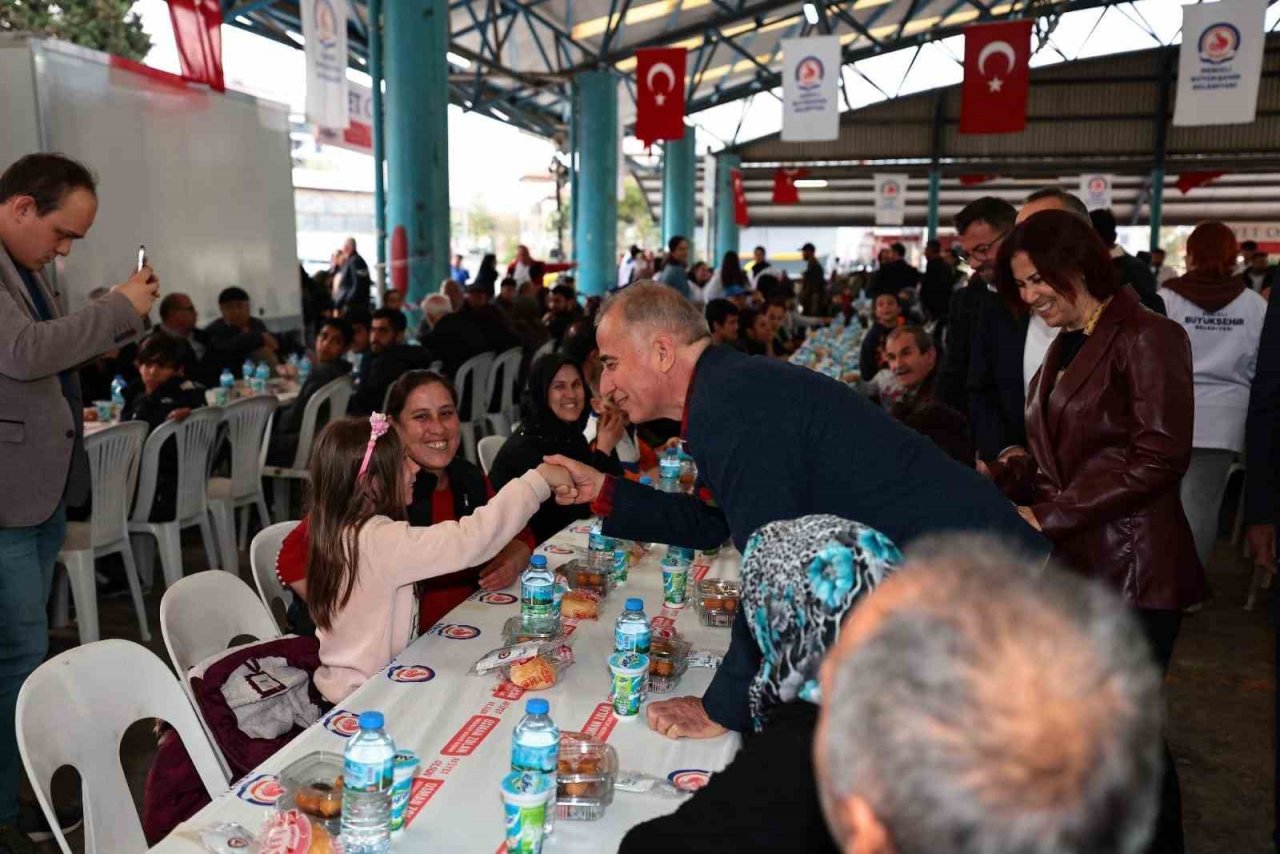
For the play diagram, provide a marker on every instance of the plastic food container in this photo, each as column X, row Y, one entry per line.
column 539, row 673
column 668, row 660
column 584, row 778
column 514, row 632
column 313, row 784
column 581, row 577
column 717, row 601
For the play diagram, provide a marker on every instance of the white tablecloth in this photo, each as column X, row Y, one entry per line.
column 460, row 725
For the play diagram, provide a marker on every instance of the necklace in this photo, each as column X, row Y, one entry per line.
column 1095, row 316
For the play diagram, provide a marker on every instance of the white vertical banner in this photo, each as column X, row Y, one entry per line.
column 891, row 198
column 359, row 133
column 1095, row 190
column 324, row 27
column 810, row 89
column 1220, row 62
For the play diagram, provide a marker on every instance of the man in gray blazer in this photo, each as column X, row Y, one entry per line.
column 47, row 202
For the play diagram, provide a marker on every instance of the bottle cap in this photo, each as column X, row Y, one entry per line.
column 537, row 706
column 538, row 560
column 371, row 720
column 635, row 604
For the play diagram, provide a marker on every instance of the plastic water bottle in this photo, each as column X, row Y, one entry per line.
column 118, row 385
column 669, row 471
column 631, row 632
column 246, row 370
column 260, row 376
column 304, row 369
column 293, row 364
column 600, row 550
column 559, row 587
column 537, row 597
column 367, row 765
column 535, row 745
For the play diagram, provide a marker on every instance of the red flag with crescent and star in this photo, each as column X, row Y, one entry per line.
column 740, row 215
column 660, row 94
column 996, row 77
column 784, row 185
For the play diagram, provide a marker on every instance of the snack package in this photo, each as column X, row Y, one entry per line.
column 293, row 832
column 580, row 604
column 704, row 658
column 646, row 784
column 227, row 838
column 505, row 656
column 541, row 671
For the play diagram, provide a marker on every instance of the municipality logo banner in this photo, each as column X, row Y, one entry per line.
column 810, row 89
column 1220, row 62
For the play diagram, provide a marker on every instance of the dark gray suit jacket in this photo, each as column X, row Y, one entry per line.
column 42, row 455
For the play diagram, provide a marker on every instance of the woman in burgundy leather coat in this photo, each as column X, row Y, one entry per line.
column 1109, row 429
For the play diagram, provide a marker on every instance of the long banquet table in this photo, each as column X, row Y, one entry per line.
column 460, row 725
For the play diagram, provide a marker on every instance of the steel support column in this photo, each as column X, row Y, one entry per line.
column 679, row 176
column 379, row 143
column 595, row 138
column 416, row 35
column 1155, row 202
column 726, row 226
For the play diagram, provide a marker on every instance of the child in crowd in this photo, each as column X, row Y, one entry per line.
column 162, row 394
column 364, row 557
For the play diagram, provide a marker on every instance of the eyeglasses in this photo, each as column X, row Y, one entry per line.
column 982, row 249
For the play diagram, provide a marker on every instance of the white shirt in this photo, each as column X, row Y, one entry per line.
column 1039, row 336
column 626, row 271
column 521, row 273
column 1224, row 356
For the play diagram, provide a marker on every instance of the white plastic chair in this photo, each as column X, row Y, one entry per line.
column 200, row 616
column 548, row 347
column 505, row 370
column 194, row 436
column 471, row 381
column 248, row 422
column 337, row 394
column 262, row 558
column 488, row 449
column 75, row 709
column 114, row 453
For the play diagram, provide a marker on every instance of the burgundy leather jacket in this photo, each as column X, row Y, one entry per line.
column 1109, row 441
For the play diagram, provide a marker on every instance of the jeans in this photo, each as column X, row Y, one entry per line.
column 1203, row 486
column 27, row 557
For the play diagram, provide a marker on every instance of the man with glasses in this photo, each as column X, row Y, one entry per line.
column 178, row 320
column 980, row 225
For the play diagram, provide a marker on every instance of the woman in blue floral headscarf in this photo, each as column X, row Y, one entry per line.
column 800, row 579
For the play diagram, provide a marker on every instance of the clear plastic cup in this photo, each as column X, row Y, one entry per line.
column 401, row 786
column 105, row 410
column 526, row 797
column 630, row 674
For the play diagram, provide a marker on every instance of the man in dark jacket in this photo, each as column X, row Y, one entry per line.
column 332, row 340
column 937, row 284
column 760, row 432
column 448, row 336
column 354, row 286
column 1132, row 271
column 479, row 310
column 386, row 361
column 982, row 225
column 895, row 275
column 813, row 284
column 236, row 336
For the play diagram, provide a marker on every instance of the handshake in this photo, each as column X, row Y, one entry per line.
column 571, row 482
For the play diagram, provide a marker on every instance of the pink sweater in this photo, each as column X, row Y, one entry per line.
column 375, row 624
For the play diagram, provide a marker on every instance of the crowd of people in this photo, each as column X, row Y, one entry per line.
column 965, row 564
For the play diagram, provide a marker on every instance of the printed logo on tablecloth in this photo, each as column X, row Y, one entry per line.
column 507, row 691
column 689, row 779
column 455, row 631
column 423, row 789
column 580, row 529
column 410, row 673
column 262, row 790
column 664, row 622
column 601, row 722
column 700, row 571
column 495, row 598
column 341, row 722
column 557, row 550
column 466, row 740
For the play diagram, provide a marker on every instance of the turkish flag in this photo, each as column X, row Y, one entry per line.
column 739, row 199
column 784, row 185
column 975, row 180
column 660, row 94
column 996, row 77
column 197, row 28
column 1188, row 181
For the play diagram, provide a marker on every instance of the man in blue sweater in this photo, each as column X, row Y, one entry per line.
column 772, row 441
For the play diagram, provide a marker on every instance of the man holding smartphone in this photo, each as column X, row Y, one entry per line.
column 47, row 202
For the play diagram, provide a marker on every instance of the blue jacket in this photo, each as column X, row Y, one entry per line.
column 776, row 441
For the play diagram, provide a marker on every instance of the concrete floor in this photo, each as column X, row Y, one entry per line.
column 1220, row 701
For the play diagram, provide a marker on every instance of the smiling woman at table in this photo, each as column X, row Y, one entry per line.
column 554, row 413
column 364, row 559
column 799, row 580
